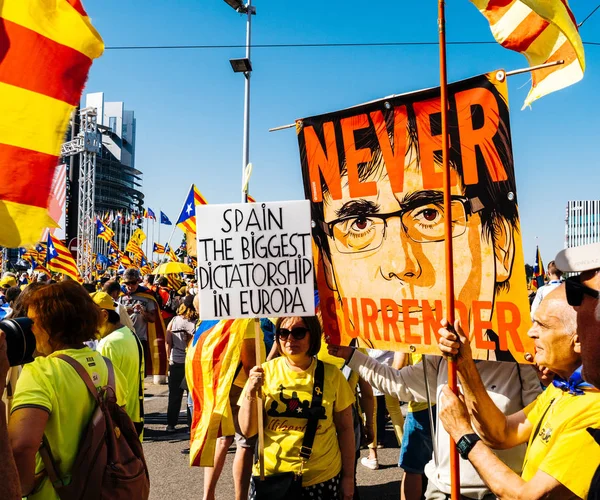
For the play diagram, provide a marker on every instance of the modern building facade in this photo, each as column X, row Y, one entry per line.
column 118, row 182
column 582, row 222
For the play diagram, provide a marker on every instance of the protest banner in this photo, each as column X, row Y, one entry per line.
column 255, row 260
column 374, row 179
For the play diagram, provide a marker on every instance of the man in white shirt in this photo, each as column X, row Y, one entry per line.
column 511, row 387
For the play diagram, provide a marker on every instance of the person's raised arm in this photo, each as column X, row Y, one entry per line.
column 247, row 417
column 496, row 429
column 504, row 483
column 407, row 384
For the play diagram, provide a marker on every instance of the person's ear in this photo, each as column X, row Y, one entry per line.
column 576, row 344
column 504, row 249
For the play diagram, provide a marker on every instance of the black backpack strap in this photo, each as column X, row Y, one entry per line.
column 139, row 426
column 316, row 409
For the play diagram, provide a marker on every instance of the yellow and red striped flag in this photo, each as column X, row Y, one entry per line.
column 211, row 362
column 60, row 260
column 103, row 231
column 158, row 248
column 250, row 199
column 47, row 50
column 187, row 218
column 544, row 31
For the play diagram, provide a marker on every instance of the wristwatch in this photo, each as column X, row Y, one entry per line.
column 465, row 444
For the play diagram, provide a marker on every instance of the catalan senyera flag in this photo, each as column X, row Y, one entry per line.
column 60, row 260
column 158, row 248
column 47, row 50
column 544, row 31
column 538, row 270
column 211, row 362
column 103, row 231
column 125, row 259
column 250, row 199
column 175, row 281
column 187, row 219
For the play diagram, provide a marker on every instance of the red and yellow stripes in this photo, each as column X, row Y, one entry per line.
column 543, row 31
column 212, row 360
column 198, row 198
column 46, row 50
column 60, row 260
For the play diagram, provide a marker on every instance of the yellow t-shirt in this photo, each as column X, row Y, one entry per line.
column 121, row 348
column 249, row 333
column 562, row 447
column 53, row 385
column 286, row 393
column 413, row 406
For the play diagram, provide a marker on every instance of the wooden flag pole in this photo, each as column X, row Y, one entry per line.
column 259, row 403
column 452, row 375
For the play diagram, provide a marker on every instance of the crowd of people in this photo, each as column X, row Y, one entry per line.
column 522, row 431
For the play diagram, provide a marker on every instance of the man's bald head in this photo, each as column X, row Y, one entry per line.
column 554, row 331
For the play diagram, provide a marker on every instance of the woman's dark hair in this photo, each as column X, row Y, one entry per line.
column 22, row 303
column 67, row 312
column 314, row 331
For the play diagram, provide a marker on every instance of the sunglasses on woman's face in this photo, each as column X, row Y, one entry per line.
column 575, row 291
column 298, row 333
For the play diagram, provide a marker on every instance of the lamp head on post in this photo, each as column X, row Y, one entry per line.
column 237, row 6
column 242, row 65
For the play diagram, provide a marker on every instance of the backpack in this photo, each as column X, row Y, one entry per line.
column 110, row 462
column 172, row 303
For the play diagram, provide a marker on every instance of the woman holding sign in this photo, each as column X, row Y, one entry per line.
column 308, row 429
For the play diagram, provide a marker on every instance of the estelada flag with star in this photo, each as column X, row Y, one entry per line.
column 104, row 232
column 47, row 50
column 187, row 219
column 60, row 260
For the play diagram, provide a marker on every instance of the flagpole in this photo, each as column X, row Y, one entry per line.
column 153, row 240
column 452, row 373
column 147, row 238
column 175, row 225
column 159, row 224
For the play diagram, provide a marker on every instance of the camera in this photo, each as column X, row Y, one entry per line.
column 20, row 340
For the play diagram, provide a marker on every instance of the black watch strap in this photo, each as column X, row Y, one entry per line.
column 466, row 443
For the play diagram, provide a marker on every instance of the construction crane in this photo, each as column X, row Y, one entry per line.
column 87, row 144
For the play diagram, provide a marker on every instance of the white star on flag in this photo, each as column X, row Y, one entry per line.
column 189, row 209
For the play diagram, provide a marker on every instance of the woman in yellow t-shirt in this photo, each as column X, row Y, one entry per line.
column 50, row 398
column 287, row 388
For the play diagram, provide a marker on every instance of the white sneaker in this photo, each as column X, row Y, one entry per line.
column 370, row 463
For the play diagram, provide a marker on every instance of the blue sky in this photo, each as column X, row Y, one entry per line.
column 189, row 104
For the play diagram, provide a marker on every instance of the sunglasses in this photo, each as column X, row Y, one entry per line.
column 298, row 333
column 575, row 291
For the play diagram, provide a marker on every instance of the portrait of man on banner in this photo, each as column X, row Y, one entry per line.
column 374, row 178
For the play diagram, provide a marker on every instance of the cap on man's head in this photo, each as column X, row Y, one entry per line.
column 131, row 275
column 8, row 281
column 103, row 300
column 579, row 259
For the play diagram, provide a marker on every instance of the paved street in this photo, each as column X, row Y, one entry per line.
column 171, row 476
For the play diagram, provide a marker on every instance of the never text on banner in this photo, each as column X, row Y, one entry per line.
column 373, row 176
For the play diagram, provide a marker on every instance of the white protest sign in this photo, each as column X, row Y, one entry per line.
column 255, row 260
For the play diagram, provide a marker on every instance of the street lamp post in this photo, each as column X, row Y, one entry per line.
column 245, row 66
